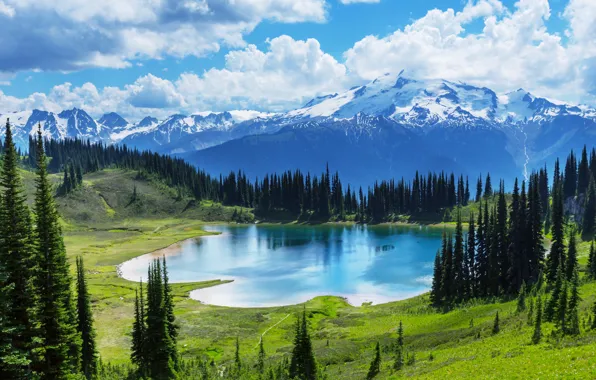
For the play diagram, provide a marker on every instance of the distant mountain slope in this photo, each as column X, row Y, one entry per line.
column 387, row 127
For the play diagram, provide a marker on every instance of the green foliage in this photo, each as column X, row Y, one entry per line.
column 521, row 299
column 89, row 355
column 537, row 335
column 375, row 365
column 303, row 364
column 496, row 325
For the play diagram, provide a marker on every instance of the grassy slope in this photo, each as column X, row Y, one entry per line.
column 102, row 225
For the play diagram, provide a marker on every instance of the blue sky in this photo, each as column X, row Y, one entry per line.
column 218, row 54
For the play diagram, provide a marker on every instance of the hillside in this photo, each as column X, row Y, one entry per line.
column 461, row 341
column 107, row 229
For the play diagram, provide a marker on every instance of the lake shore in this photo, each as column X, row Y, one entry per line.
column 222, row 296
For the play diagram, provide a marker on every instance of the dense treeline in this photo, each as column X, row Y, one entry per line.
column 503, row 252
column 43, row 332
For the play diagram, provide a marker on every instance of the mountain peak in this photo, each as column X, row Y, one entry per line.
column 113, row 120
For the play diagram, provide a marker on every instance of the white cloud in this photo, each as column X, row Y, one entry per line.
column 285, row 75
column 153, row 92
column 513, row 49
column 6, row 10
column 75, row 34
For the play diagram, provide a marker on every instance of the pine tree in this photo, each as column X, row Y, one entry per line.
column 435, row 292
column 537, row 336
column 169, row 314
column 571, row 265
column 458, row 261
column 158, row 342
column 138, row 352
column 521, row 299
column 375, row 365
column 557, row 251
column 531, row 313
column 237, row 360
column 400, row 335
column 573, row 306
column 583, row 173
column 479, row 189
column 553, row 302
column 398, row 362
column 303, row 364
column 496, row 327
column 561, row 312
column 488, row 188
column 261, row 357
column 471, row 259
column 16, row 257
column 85, row 324
column 60, row 345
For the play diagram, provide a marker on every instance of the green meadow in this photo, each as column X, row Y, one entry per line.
column 101, row 225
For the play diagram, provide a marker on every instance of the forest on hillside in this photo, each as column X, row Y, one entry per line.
column 46, row 320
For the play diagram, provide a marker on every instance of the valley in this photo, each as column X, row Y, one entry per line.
column 460, row 340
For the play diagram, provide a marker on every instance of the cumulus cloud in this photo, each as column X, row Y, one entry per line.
column 74, row 34
column 513, row 49
column 285, row 75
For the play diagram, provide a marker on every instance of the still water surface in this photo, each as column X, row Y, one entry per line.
column 282, row 265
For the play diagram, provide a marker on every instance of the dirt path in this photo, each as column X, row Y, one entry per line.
column 265, row 332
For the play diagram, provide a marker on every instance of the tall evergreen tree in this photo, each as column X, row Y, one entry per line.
column 60, row 341
column 237, row 360
column 488, row 187
column 573, row 306
column 553, row 301
column 561, row 312
column 435, row 292
column 89, row 358
column 261, row 357
column 471, row 287
column 459, row 279
column 521, row 298
column 158, row 342
column 138, row 352
column 16, row 251
column 170, row 318
column 557, row 250
column 375, row 365
column 571, row 264
column 303, row 364
column 583, row 173
column 537, row 336
column 496, row 324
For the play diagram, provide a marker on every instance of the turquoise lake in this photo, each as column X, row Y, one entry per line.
column 283, row 265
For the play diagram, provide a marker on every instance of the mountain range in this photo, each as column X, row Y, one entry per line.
column 389, row 127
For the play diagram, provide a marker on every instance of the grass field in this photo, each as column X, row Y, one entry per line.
column 460, row 341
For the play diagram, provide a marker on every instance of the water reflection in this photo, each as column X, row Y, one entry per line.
column 279, row 265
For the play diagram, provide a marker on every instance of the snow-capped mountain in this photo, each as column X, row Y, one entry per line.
column 68, row 123
column 424, row 103
column 395, row 125
column 377, row 127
